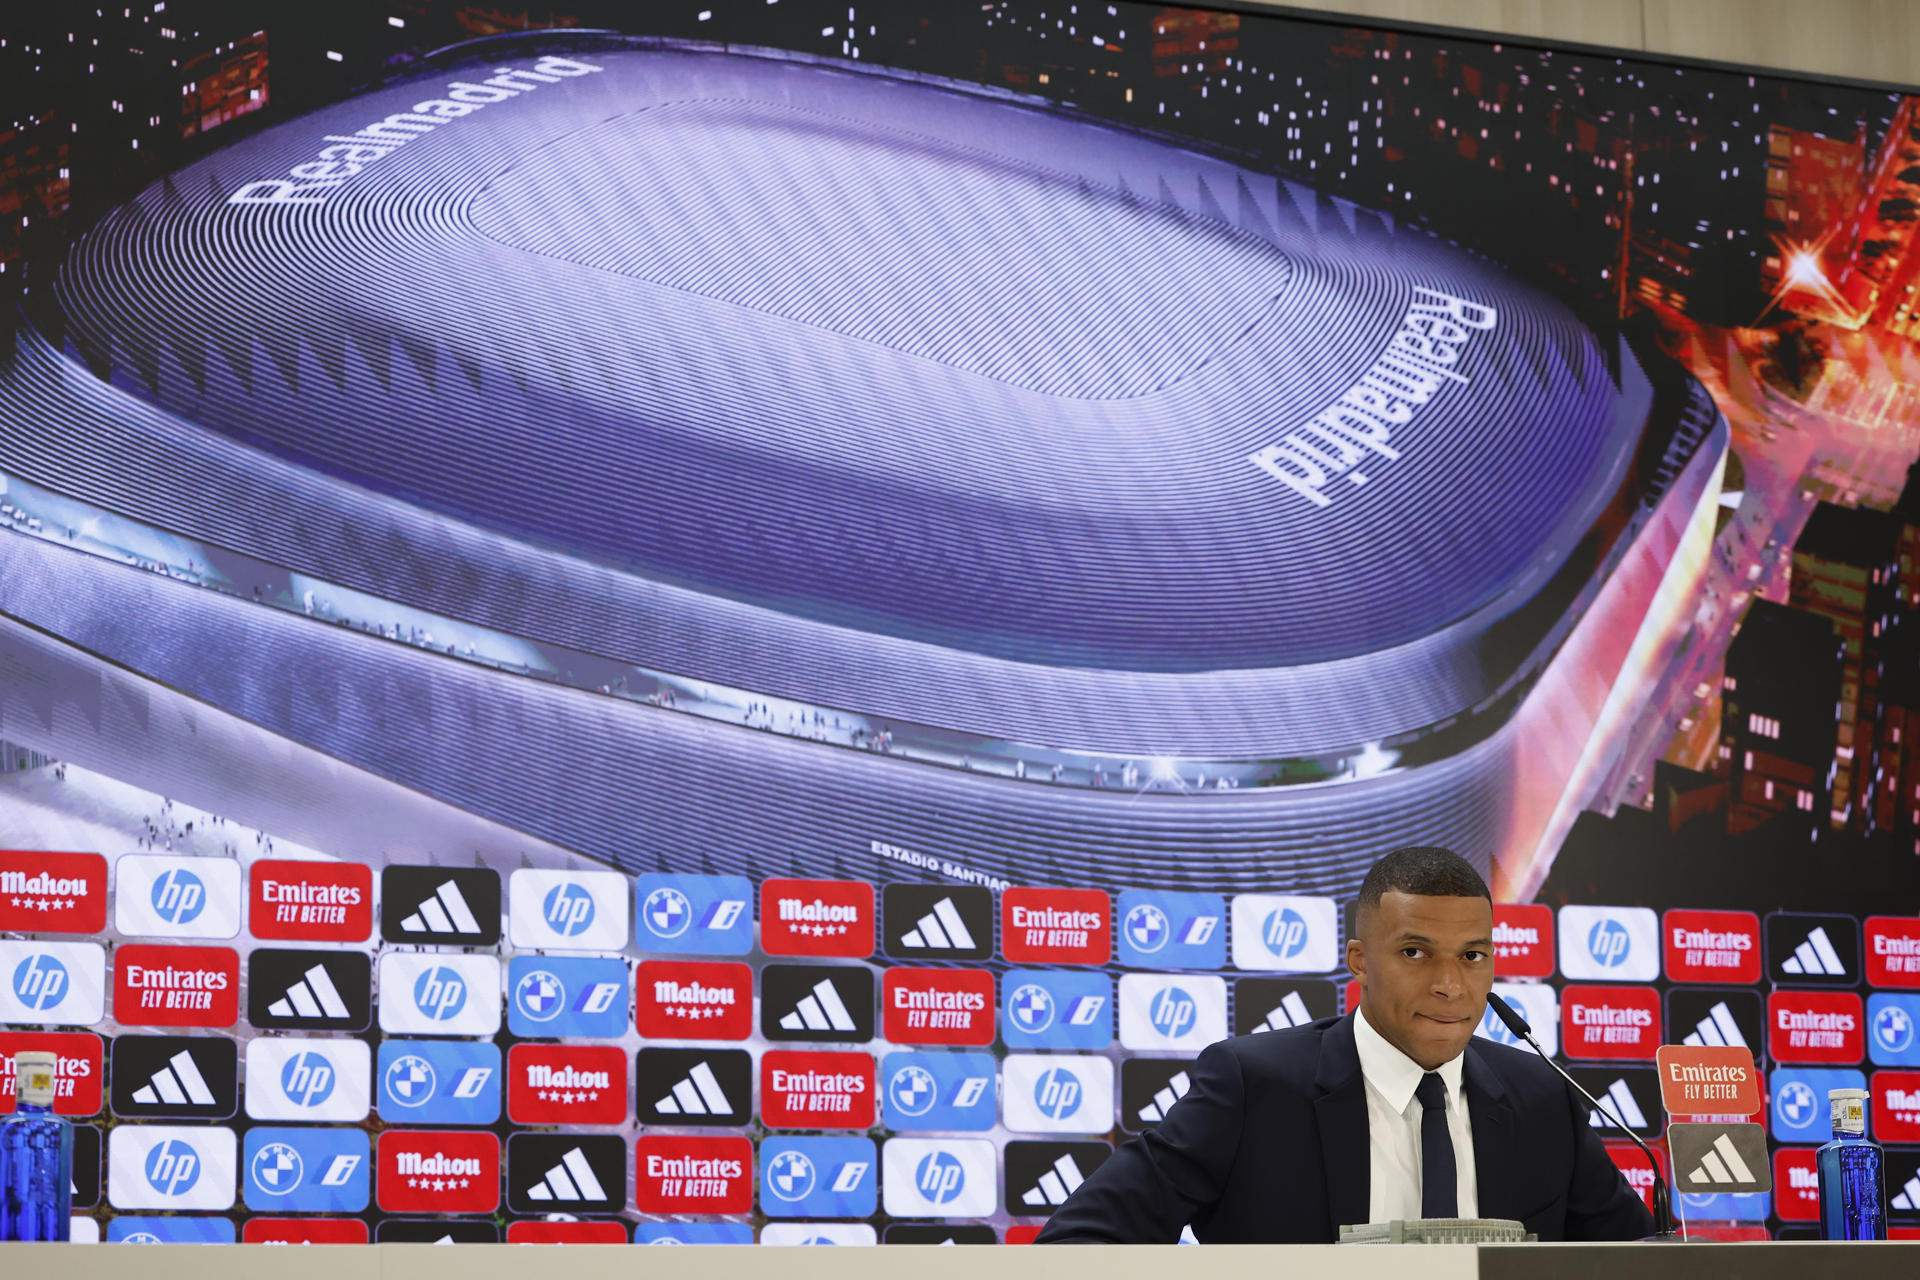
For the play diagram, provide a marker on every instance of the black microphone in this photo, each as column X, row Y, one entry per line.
column 1662, row 1206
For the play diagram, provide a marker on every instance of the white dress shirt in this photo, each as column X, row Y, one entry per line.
column 1393, row 1128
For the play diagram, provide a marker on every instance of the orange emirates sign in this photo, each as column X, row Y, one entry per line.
column 1704, row 1080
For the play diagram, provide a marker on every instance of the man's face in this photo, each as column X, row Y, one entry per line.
column 1425, row 967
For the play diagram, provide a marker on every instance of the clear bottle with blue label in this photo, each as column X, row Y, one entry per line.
column 1853, row 1202
column 36, row 1156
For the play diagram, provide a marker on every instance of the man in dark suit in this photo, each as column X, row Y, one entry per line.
column 1395, row 1111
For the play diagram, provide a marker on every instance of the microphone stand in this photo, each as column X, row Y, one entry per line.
column 1663, row 1231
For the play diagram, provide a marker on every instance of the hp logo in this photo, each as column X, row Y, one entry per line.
column 307, row 1079
column 173, row 1167
column 1797, row 1103
column 277, row 1168
column 1608, row 943
column 1496, row 1030
column 667, row 912
column 568, row 909
column 1893, row 1029
column 790, row 1175
column 40, row 982
column 1284, row 933
column 1172, row 1012
column 410, row 1080
column 178, row 897
column 1147, row 928
column 1031, row 1007
column 1057, row 1093
column 439, row 993
column 940, row 1177
column 540, row 995
column 912, row 1091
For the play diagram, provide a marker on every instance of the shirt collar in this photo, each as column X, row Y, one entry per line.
column 1392, row 1073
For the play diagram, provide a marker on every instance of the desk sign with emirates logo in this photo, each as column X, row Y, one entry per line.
column 1708, row 1080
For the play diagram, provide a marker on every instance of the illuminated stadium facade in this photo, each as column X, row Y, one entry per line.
column 1212, row 531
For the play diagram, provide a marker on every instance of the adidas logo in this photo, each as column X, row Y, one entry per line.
column 571, row 1179
column 1909, row 1197
column 941, row 928
column 314, row 996
column 1056, row 1184
column 698, row 1093
column 1163, row 1100
column 1291, row 1012
column 820, row 1011
column 1722, row 1165
column 444, row 912
column 178, row 1084
column 1815, row 956
column 1717, row 1028
column 1621, row 1099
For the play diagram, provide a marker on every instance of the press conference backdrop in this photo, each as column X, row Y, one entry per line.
column 756, row 626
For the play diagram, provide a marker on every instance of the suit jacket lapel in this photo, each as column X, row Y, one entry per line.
column 1491, row 1112
column 1340, row 1108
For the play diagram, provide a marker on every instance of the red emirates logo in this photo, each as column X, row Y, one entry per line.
column 693, row 1000
column 1609, row 1022
column 1893, row 951
column 312, row 901
column 450, row 1171
column 1711, row 946
column 1896, row 1106
column 816, row 1090
column 566, row 1084
column 1796, row 1185
column 157, row 986
column 938, row 1006
column 52, row 892
column 816, row 918
column 1815, row 1026
column 1056, row 926
column 1522, row 940
column 693, row 1175
column 1635, row 1168
column 76, row 1079
column 304, row 1231
column 566, row 1233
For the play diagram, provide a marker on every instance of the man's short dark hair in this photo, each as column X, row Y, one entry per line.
column 1423, row 870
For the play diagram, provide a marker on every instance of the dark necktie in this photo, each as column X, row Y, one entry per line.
column 1439, row 1196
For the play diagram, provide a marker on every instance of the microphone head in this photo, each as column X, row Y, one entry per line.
column 1509, row 1015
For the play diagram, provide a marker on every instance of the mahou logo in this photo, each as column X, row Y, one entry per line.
column 448, row 1171
column 1711, row 946
column 816, row 918
column 693, row 1000
column 76, row 1078
column 311, row 901
column 566, row 1084
column 693, row 1175
column 1522, row 940
column 1896, row 1106
column 816, row 1090
column 1609, row 1022
column 1893, row 951
column 52, row 892
column 1815, row 1026
column 938, row 1006
column 1056, row 926
column 158, row 986
column 1796, row 1185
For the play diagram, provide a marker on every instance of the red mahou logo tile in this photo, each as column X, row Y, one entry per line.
column 1609, row 1022
column 1896, row 1106
column 1711, row 946
column 1522, row 940
column 1815, row 1026
column 938, row 1006
column 693, row 1175
column 76, row 1076
column 800, row 1090
column 1056, row 926
column 304, row 1231
column 1796, row 1185
column 311, row 901
column 52, row 892
column 566, row 1233
column 816, row 918
column 159, row 986
column 447, row 1171
column 693, row 1000
column 566, row 1084
column 1893, row 951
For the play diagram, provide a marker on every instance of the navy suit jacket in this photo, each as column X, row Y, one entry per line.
column 1270, row 1145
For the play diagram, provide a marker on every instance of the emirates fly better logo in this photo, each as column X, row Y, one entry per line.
column 176, row 986
column 1056, row 926
column 311, row 901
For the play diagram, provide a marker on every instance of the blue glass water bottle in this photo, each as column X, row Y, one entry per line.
column 36, row 1156
column 1852, row 1194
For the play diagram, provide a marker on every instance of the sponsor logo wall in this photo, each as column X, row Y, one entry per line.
column 446, row 1053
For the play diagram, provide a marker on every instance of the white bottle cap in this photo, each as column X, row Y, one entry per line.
column 1849, row 1108
column 34, row 1070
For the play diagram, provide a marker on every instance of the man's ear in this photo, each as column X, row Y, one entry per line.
column 1357, row 961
